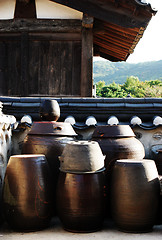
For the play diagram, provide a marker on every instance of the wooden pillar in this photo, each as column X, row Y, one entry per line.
column 24, row 64
column 25, row 9
column 87, row 57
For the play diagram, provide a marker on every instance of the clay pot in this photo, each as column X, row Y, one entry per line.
column 49, row 110
column 158, row 160
column 49, row 138
column 81, row 156
column 159, row 216
column 80, row 201
column 118, row 142
column 27, row 200
column 1, row 184
column 135, row 195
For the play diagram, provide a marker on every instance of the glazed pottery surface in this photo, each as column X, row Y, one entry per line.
column 81, row 156
column 27, row 198
column 159, row 216
column 1, row 184
column 135, row 195
column 113, row 131
column 49, row 138
column 118, row 142
column 49, row 110
column 80, row 201
column 52, row 129
column 158, row 161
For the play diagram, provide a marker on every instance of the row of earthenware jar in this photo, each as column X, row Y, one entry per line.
column 28, row 200
column 91, row 181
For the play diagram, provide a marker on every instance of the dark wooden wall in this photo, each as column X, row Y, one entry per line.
column 34, row 64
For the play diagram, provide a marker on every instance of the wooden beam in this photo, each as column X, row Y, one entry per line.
column 87, row 58
column 108, row 11
column 25, row 9
column 39, row 25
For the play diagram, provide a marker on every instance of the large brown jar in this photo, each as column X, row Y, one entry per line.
column 135, row 195
column 1, row 184
column 80, row 201
column 27, row 200
column 118, row 142
column 49, row 138
column 80, row 190
column 158, row 160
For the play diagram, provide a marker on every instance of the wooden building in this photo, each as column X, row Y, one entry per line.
column 50, row 54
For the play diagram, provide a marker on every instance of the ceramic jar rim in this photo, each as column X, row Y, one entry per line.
column 82, row 172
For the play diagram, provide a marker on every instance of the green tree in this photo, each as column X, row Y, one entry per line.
column 113, row 90
column 99, row 87
column 132, row 86
column 154, row 82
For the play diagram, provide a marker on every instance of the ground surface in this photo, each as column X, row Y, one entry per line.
column 56, row 232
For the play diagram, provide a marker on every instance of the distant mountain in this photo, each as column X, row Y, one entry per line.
column 119, row 71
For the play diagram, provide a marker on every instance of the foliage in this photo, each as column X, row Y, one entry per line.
column 133, row 87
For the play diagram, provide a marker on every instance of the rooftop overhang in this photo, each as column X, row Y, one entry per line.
column 118, row 24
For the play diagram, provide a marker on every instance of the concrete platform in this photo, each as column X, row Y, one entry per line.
column 56, row 232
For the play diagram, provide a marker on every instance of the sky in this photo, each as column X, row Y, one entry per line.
column 149, row 47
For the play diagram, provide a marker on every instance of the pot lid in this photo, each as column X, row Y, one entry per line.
column 52, row 128
column 113, row 131
column 82, row 156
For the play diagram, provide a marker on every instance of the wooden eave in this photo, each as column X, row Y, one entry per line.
column 118, row 24
column 115, row 43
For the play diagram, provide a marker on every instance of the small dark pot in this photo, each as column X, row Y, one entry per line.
column 49, row 110
column 135, row 195
column 80, row 201
column 27, row 201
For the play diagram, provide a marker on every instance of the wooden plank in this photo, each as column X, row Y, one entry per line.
column 3, row 87
column 66, row 68
column 76, row 69
column 24, row 64
column 116, row 41
column 43, row 66
column 33, row 66
column 68, row 61
column 110, row 44
column 13, row 67
column 52, row 68
column 55, row 81
column 87, row 62
column 55, row 36
column 25, row 9
column 39, row 25
column 36, row 67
